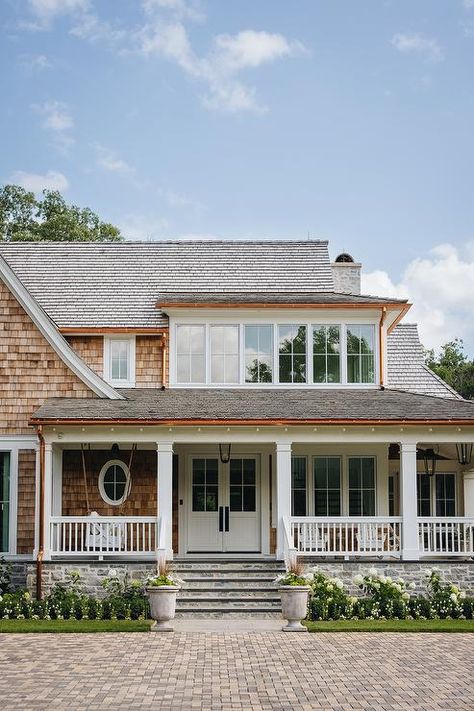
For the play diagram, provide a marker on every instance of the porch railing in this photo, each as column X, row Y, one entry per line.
column 347, row 536
column 99, row 536
column 446, row 536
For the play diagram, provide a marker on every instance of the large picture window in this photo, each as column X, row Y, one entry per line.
column 326, row 354
column 360, row 354
column 225, row 354
column 258, row 354
column 445, row 494
column 361, row 486
column 327, row 486
column 292, row 354
column 190, row 354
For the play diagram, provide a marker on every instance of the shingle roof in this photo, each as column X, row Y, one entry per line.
column 406, row 366
column 269, row 297
column 260, row 405
column 92, row 284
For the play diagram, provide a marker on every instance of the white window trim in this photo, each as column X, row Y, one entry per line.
column 13, row 444
column 275, row 322
column 125, row 469
column 130, row 381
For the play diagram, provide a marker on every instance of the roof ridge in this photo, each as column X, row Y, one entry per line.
column 293, row 240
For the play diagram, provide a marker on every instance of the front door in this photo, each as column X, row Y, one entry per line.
column 223, row 505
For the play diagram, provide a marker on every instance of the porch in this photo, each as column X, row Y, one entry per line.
column 344, row 499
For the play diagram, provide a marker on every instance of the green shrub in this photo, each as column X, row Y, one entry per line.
column 5, row 576
column 329, row 601
column 446, row 599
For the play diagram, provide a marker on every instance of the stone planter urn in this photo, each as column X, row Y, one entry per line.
column 294, row 606
column 162, row 599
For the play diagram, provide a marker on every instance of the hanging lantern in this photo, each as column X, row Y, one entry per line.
column 115, row 451
column 464, row 450
column 224, row 452
column 430, row 457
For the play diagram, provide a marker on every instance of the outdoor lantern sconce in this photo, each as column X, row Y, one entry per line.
column 430, row 457
column 224, row 452
column 464, row 451
column 115, row 451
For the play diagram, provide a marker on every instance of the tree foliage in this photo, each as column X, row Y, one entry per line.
column 454, row 367
column 24, row 218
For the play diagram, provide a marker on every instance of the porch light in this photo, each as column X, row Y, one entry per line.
column 464, row 450
column 224, row 452
column 430, row 457
column 115, row 450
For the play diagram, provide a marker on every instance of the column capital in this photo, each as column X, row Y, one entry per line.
column 468, row 474
column 164, row 447
column 48, row 446
column 408, row 447
column 283, row 446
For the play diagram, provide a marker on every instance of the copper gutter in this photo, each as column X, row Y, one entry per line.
column 256, row 305
column 40, row 554
column 98, row 330
column 164, row 361
column 402, row 313
column 183, row 422
column 381, row 343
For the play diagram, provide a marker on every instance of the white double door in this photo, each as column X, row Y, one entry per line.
column 223, row 505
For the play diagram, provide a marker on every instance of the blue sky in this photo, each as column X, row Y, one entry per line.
column 350, row 120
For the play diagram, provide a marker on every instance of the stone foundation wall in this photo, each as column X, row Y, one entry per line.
column 92, row 573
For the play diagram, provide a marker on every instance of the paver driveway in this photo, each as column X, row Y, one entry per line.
column 237, row 671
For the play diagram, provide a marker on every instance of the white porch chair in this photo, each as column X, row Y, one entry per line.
column 104, row 536
column 371, row 538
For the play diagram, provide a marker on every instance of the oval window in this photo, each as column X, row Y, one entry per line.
column 114, row 482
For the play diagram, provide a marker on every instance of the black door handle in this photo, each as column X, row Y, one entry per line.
column 226, row 510
column 221, row 519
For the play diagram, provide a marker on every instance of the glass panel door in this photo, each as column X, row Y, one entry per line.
column 4, row 502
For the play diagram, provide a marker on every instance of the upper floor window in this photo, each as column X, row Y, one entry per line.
column 225, row 354
column 360, row 354
column 190, row 354
column 119, row 361
column 326, row 354
column 258, row 354
column 292, row 354
column 266, row 353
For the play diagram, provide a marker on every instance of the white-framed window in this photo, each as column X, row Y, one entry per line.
column 292, row 353
column 362, row 477
column 224, row 346
column 327, row 486
column 119, row 361
column 114, row 482
column 327, row 353
column 191, row 353
column 273, row 354
column 360, row 340
column 258, row 353
column 5, row 503
column 436, row 495
column 298, row 486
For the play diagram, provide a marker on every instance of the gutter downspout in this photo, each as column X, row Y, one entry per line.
column 39, row 557
column 164, row 361
column 383, row 316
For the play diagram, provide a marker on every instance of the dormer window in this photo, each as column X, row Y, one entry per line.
column 360, row 354
column 119, row 361
column 292, row 354
column 224, row 354
column 258, row 354
column 326, row 354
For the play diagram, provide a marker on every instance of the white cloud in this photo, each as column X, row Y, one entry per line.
column 441, row 288
column 89, row 27
column 178, row 200
column 52, row 180
column 468, row 4
column 418, row 44
column 46, row 11
column 109, row 160
column 58, row 122
column 219, row 70
column 180, row 9
column 36, row 63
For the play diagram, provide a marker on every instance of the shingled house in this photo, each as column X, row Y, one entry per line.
column 232, row 400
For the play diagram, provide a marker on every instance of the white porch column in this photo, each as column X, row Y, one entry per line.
column 283, row 491
column 408, row 502
column 164, row 490
column 48, row 498
column 468, row 480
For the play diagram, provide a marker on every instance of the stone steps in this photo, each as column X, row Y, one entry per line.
column 228, row 588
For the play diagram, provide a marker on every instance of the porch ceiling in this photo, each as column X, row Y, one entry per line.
column 266, row 406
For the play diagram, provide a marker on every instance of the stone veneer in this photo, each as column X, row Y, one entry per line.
column 92, row 573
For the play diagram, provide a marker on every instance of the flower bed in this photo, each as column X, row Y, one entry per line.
column 387, row 599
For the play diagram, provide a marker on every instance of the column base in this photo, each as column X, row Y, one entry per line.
column 411, row 554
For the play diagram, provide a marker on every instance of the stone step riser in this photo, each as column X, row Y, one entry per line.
column 216, row 584
column 229, row 614
column 187, row 592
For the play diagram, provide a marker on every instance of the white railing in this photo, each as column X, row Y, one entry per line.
column 446, row 536
column 289, row 550
column 100, row 536
column 347, row 536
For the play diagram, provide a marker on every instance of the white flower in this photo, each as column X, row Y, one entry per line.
column 112, row 573
column 397, row 587
column 454, row 597
column 406, row 596
column 373, row 572
column 429, row 573
column 388, row 579
column 401, row 581
column 382, row 578
column 412, row 586
column 339, row 584
column 462, row 595
column 358, row 580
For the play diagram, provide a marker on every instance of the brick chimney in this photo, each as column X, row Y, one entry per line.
column 346, row 274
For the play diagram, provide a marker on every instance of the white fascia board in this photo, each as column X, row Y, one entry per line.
column 53, row 337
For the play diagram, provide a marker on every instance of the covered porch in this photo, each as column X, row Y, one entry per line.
column 344, row 493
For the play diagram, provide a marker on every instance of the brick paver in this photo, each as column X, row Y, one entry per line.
column 267, row 670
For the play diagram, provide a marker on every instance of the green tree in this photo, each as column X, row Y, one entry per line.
column 23, row 218
column 454, row 367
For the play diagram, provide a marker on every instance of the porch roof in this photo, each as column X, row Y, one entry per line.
column 269, row 298
column 266, row 406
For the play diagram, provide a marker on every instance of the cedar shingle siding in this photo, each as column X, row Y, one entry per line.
column 30, row 370
column 26, row 501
